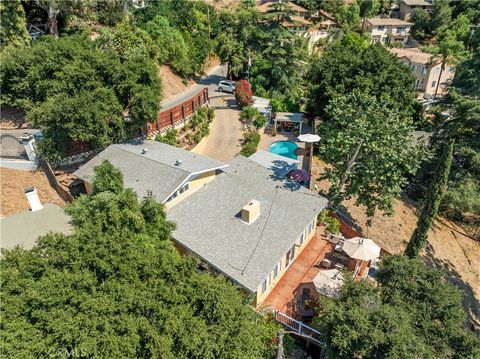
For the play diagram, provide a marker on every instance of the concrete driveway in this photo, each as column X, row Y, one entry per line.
column 224, row 141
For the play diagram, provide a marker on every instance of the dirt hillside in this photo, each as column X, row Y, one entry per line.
column 12, row 190
column 448, row 247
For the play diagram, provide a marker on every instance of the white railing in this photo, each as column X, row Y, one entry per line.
column 299, row 328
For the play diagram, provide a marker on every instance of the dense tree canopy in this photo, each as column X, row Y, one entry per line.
column 462, row 200
column 350, row 64
column 117, row 288
column 75, row 91
column 414, row 313
column 13, row 27
column 370, row 147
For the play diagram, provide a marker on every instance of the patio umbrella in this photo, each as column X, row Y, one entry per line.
column 361, row 248
column 328, row 282
column 300, row 176
column 309, row 137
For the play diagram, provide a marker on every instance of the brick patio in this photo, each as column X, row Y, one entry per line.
column 302, row 271
column 300, row 274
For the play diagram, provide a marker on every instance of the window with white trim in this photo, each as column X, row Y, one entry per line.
column 265, row 283
column 302, row 237
column 276, row 269
column 434, row 83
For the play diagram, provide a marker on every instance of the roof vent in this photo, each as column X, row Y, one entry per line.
column 145, row 151
column 251, row 211
column 178, row 162
column 33, row 199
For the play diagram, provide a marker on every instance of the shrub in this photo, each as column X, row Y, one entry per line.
column 332, row 224
column 170, row 137
column 243, row 93
column 248, row 114
column 250, row 143
column 195, row 120
column 210, row 114
column 260, row 121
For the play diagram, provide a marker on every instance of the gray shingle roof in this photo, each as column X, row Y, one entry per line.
column 24, row 228
column 154, row 171
column 280, row 165
column 208, row 223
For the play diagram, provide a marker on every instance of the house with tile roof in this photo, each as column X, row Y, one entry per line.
column 408, row 7
column 386, row 30
column 243, row 219
column 427, row 72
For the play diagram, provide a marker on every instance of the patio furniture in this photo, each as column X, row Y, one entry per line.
column 326, row 263
column 328, row 282
column 339, row 266
column 339, row 248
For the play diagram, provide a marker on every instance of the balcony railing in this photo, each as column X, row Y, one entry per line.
column 300, row 328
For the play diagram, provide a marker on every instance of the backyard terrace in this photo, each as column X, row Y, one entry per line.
column 296, row 285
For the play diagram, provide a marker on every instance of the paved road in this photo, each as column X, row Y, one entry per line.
column 223, row 142
column 211, row 79
column 10, row 145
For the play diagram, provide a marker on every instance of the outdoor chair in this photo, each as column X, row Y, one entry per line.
column 326, row 263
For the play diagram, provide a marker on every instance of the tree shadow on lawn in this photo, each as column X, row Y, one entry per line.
column 470, row 302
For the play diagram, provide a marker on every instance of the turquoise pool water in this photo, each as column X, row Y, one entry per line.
column 284, row 148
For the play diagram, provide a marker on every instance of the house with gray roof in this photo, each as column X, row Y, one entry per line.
column 240, row 219
column 152, row 168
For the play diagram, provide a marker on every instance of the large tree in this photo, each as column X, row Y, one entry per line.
column 413, row 313
column 349, row 64
column 13, row 27
column 462, row 200
column 117, row 288
column 75, row 91
column 369, row 145
column 433, row 198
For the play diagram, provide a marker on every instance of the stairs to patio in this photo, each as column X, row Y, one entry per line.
column 299, row 328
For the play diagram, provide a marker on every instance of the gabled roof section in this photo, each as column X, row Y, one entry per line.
column 416, row 3
column 388, row 21
column 413, row 55
column 151, row 167
column 208, row 223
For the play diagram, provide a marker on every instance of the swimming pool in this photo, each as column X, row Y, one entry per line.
column 284, row 148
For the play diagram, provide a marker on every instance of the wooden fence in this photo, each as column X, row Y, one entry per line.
column 300, row 328
column 177, row 115
column 62, row 192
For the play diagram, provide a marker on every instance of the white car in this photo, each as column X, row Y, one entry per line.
column 226, row 86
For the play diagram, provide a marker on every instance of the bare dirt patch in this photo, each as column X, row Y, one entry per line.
column 449, row 246
column 12, row 187
column 172, row 84
column 12, row 118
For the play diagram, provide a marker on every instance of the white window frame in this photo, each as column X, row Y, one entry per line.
column 434, row 83
column 276, row 269
column 265, row 283
column 302, row 238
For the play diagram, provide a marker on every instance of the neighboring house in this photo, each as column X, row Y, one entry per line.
column 23, row 228
column 240, row 219
column 387, row 30
column 408, row 7
column 299, row 22
column 426, row 73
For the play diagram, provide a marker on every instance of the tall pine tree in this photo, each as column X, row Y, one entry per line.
column 434, row 196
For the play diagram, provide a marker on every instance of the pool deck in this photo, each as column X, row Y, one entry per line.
column 266, row 140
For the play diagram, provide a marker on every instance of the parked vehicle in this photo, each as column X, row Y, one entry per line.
column 226, row 86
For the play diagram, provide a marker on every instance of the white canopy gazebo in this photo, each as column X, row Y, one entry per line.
column 361, row 248
column 329, row 282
